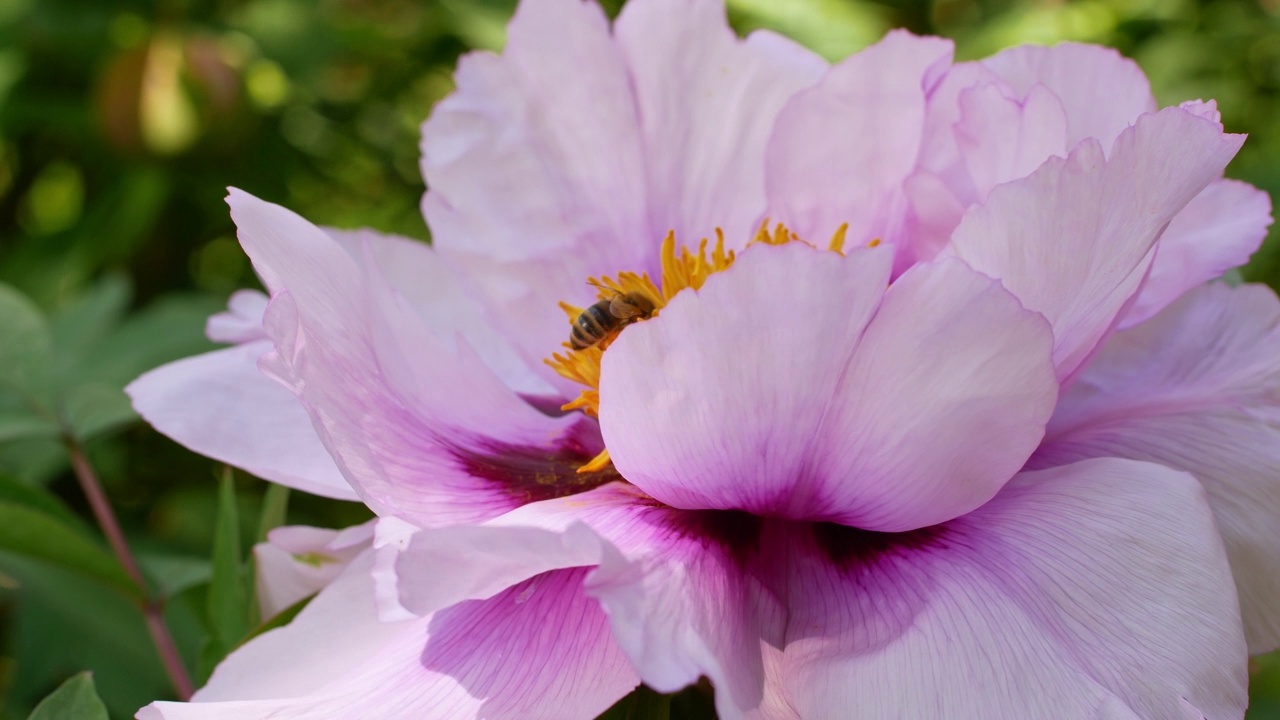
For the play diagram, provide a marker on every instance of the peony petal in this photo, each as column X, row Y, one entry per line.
column 939, row 151
column 1002, row 139
column 842, row 149
column 1196, row 389
column 898, row 422
column 504, row 658
column 424, row 570
column 1094, row 590
column 1215, row 232
column 700, row 603
column 1073, row 240
column 536, row 173
column 431, row 287
column 242, row 320
column 439, row 566
column 933, row 212
column 1102, row 91
column 978, row 132
column 297, row 562
column 220, row 405
column 670, row 553
column 706, row 134
column 417, row 422
column 571, row 155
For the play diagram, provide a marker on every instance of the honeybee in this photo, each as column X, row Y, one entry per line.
column 606, row 318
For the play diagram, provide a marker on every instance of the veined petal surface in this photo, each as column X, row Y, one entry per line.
column 502, row 658
column 1098, row 589
column 1197, row 388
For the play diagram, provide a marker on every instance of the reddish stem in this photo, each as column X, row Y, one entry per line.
column 152, row 607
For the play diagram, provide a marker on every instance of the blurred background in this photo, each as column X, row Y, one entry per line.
column 121, row 124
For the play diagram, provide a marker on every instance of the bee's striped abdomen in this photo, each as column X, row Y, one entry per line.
column 592, row 326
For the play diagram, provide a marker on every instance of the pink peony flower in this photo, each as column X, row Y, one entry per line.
column 942, row 421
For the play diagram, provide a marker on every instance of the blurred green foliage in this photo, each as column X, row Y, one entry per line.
column 122, row 122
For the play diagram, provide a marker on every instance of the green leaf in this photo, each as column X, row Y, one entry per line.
column 84, row 322
column 35, row 462
column 166, row 330
column 20, row 493
column 174, row 574
column 28, row 531
column 26, row 352
column 60, row 621
column 75, row 699
column 95, row 408
column 228, row 597
column 275, row 505
column 21, row 424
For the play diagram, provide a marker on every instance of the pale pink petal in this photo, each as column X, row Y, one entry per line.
column 978, row 132
column 297, row 562
column 242, row 320
column 438, row 568
column 1001, row 139
column 1074, row 239
column 572, row 155
column 1094, row 590
column 842, row 149
column 420, row 571
column 536, row 172
column 934, row 209
column 705, row 135
column 431, row 287
column 417, row 422
column 1197, row 388
column 685, row 560
column 891, row 423
column 505, row 658
column 220, row 405
column 703, row 602
column 939, row 151
column 1215, row 232
column 1102, row 91
column 1207, row 109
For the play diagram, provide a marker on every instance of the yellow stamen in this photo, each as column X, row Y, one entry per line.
column 573, row 311
column 681, row 270
column 598, row 462
column 837, row 240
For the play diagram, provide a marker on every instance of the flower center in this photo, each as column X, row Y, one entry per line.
column 630, row 297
